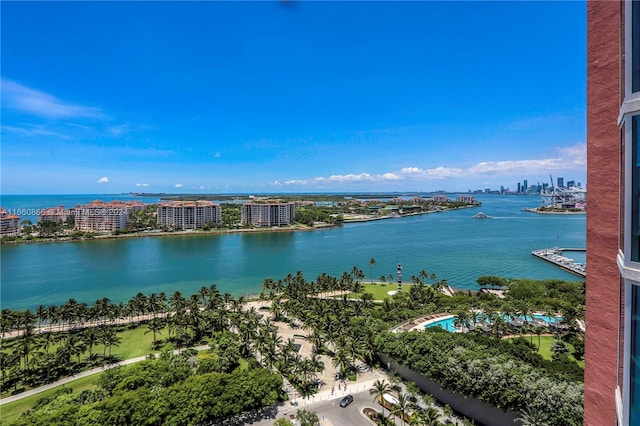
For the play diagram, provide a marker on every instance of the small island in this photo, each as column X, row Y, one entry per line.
column 198, row 215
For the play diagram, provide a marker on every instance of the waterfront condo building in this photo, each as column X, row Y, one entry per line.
column 268, row 214
column 189, row 214
column 467, row 199
column 440, row 199
column 612, row 349
column 99, row 216
column 9, row 224
column 54, row 214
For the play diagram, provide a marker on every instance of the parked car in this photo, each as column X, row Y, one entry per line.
column 346, row 401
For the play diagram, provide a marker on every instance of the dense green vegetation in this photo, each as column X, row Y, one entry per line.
column 348, row 327
column 173, row 389
column 12, row 410
column 501, row 373
column 507, row 373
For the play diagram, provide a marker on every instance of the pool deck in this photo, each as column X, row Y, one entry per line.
column 421, row 322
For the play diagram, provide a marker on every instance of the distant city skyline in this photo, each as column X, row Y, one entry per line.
column 264, row 97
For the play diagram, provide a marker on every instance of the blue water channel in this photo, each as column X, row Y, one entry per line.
column 450, row 244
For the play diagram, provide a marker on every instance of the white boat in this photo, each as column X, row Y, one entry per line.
column 481, row 215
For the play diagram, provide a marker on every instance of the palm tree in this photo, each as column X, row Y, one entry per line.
column 532, row 417
column 524, row 311
column 46, row 340
column 341, row 361
column 402, row 406
column 68, row 312
column 498, row 325
column 372, row 262
column 448, row 411
column 430, row 417
column 90, row 337
column 461, row 319
column 538, row 331
column 154, row 304
column 76, row 345
column 317, row 341
column 429, row 400
column 42, row 314
column 379, row 389
column 154, row 326
column 109, row 338
column 26, row 343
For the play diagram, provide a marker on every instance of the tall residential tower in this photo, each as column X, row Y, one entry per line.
column 612, row 352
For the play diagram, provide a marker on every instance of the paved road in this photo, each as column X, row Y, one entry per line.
column 329, row 411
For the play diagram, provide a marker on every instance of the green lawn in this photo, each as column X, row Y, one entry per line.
column 380, row 291
column 545, row 347
column 11, row 411
column 134, row 343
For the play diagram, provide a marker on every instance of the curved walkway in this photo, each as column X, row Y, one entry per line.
column 69, row 379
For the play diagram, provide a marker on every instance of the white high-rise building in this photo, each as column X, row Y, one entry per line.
column 189, row 214
column 268, row 214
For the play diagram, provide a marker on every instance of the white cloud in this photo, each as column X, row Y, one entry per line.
column 31, row 101
column 362, row 177
column 567, row 158
column 575, row 155
column 118, row 130
column 435, row 173
column 103, row 180
column 178, row 185
column 34, row 131
column 142, row 184
column 572, row 158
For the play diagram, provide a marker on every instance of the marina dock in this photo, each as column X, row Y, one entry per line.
column 554, row 255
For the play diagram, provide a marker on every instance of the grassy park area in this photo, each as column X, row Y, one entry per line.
column 133, row 343
column 381, row 291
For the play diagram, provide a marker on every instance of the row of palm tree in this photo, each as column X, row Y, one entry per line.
column 73, row 314
column 187, row 321
column 58, row 333
column 35, row 359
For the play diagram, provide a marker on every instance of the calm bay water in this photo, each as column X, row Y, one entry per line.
column 451, row 244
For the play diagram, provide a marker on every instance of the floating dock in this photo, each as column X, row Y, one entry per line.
column 554, row 255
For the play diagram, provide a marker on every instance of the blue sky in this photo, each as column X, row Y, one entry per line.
column 219, row 97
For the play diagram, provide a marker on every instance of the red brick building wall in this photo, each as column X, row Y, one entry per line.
column 604, row 198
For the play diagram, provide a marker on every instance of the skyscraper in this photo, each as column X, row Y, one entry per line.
column 612, row 369
column 560, row 182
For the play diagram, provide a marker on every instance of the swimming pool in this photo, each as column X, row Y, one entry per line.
column 446, row 323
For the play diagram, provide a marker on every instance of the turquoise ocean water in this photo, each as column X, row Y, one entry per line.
column 450, row 244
